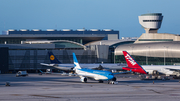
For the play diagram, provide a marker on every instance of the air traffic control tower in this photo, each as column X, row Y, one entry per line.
column 151, row 22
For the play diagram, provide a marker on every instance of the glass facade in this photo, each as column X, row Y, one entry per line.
column 11, row 41
column 31, row 59
column 66, row 45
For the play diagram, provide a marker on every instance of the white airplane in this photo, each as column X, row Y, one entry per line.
column 69, row 67
column 168, row 70
column 98, row 75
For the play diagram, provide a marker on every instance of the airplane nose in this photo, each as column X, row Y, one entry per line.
column 111, row 77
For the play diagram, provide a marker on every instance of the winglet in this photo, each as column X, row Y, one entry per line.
column 132, row 64
column 76, row 64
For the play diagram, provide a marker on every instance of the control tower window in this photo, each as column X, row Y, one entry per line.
column 152, row 20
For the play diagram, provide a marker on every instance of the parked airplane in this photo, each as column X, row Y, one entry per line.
column 69, row 67
column 98, row 75
column 168, row 70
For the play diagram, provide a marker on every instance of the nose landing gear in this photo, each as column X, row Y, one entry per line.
column 113, row 81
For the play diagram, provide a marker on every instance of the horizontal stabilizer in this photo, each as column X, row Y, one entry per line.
column 47, row 64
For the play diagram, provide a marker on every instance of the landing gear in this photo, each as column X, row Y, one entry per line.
column 176, row 77
column 113, row 82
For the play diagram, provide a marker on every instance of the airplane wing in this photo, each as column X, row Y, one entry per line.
column 123, row 72
column 94, row 67
column 61, row 67
column 176, row 70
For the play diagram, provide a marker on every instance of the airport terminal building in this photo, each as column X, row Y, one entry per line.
column 25, row 49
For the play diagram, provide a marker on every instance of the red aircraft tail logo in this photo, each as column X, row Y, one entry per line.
column 130, row 59
column 132, row 64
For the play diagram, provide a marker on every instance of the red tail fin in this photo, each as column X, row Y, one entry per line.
column 132, row 64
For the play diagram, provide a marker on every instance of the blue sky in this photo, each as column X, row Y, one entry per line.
column 119, row 15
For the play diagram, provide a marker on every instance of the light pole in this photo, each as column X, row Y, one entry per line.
column 146, row 55
column 114, row 53
column 165, row 55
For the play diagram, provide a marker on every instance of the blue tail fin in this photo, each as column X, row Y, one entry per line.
column 76, row 64
column 53, row 59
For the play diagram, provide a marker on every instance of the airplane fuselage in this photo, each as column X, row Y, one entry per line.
column 164, row 69
column 95, row 74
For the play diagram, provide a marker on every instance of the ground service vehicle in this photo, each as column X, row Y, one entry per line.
column 21, row 73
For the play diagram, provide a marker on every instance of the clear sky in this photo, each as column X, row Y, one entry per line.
column 119, row 15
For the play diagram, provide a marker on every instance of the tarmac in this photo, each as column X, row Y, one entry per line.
column 55, row 87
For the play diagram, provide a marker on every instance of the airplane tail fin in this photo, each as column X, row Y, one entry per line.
column 76, row 64
column 53, row 59
column 132, row 64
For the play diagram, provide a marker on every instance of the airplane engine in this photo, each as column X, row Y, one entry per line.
column 155, row 72
column 114, row 79
column 83, row 79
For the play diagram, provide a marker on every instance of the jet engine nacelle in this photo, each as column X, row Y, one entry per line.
column 114, row 79
column 83, row 79
column 155, row 72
